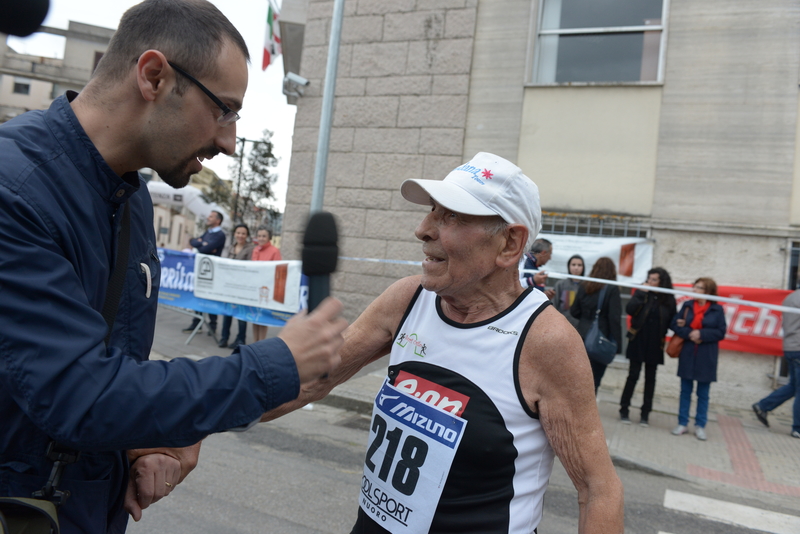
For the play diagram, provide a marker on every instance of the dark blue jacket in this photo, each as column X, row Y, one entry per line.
column 699, row 362
column 214, row 242
column 59, row 205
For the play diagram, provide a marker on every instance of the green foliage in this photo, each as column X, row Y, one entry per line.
column 253, row 181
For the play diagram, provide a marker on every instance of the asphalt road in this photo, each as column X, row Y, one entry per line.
column 301, row 474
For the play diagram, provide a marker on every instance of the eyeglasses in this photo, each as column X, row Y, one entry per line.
column 228, row 116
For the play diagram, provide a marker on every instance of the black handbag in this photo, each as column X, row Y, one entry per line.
column 599, row 347
column 37, row 513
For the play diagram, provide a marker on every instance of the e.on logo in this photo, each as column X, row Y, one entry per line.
column 443, row 398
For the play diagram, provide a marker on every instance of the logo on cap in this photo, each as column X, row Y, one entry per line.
column 487, row 174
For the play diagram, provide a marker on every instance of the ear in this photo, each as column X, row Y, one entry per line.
column 153, row 74
column 516, row 235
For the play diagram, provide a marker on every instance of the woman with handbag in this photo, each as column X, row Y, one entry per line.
column 701, row 324
column 651, row 314
column 586, row 306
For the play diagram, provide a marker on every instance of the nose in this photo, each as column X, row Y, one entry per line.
column 226, row 139
column 425, row 229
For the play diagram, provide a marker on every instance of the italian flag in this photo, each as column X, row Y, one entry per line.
column 272, row 40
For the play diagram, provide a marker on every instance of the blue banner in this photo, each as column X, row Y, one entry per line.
column 177, row 289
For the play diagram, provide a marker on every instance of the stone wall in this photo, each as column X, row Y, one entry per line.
column 400, row 112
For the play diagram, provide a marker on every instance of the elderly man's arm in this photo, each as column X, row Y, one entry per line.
column 367, row 339
column 557, row 383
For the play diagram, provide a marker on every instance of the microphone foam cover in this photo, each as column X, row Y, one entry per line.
column 22, row 18
column 320, row 248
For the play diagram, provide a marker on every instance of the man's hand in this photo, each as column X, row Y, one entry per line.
column 155, row 473
column 315, row 339
column 540, row 278
column 549, row 293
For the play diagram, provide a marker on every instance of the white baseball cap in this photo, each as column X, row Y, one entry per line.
column 486, row 185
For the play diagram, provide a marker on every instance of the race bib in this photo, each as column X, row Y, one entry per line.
column 411, row 448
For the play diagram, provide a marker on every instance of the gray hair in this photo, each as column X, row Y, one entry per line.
column 541, row 245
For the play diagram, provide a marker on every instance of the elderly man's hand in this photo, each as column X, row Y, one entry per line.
column 155, row 473
column 540, row 278
column 315, row 339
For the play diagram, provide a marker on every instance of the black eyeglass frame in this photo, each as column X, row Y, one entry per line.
column 228, row 115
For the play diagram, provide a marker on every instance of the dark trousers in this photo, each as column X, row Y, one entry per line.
column 241, row 337
column 634, row 370
column 598, row 370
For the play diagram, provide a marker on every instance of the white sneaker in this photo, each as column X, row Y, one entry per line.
column 700, row 433
column 678, row 430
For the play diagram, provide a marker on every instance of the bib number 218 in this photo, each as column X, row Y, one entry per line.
column 412, row 456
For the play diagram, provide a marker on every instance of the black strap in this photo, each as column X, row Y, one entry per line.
column 117, row 281
column 600, row 300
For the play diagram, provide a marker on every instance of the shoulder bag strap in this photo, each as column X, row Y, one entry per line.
column 600, row 301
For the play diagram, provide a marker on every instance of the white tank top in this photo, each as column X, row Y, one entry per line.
column 502, row 464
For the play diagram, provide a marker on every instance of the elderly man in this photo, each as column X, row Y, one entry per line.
column 486, row 380
column 540, row 253
column 73, row 357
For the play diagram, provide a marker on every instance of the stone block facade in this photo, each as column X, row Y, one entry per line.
column 400, row 112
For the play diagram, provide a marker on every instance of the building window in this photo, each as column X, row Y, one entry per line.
column 586, row 41
column 22, row 86
column 599, row 225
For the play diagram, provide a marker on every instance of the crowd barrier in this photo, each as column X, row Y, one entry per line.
column 238, row 289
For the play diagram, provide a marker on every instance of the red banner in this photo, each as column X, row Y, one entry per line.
column 750, row 329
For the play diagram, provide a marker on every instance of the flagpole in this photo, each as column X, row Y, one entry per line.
column 326, row 116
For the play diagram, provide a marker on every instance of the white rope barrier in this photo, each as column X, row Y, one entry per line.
column 692, row 294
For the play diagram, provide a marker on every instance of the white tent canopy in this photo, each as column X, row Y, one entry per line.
column 186, row 197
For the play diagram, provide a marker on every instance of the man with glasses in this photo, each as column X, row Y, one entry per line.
column 72, row 206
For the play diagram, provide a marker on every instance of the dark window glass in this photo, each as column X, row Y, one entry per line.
column 22, row 88
column 606, row 13
column 603, row 57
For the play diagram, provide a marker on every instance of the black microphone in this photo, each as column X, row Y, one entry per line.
column 320, row 254
column 22, row 18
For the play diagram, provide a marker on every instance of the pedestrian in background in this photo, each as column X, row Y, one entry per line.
column 540, row 253
column 240, row 249
column 585, row 307
column 701, row 323
column 211, row 242
column 566, row 288
column 791, row 351
column 651, row 313
column 264, row 251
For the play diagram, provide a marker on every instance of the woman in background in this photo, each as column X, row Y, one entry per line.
column 701, row 323
column 585, row 306
column 264, row 251
column 240, row 249
column 567, row 288
column 651, row 313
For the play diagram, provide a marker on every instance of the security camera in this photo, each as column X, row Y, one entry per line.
column 296, row 79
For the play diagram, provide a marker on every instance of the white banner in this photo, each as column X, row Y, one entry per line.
column 274, row 285
column 633, row 256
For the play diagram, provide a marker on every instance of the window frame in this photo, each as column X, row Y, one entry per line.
column 21, row 82
column 537, row 32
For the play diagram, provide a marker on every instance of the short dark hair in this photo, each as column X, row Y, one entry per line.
column 664, row 279
column 577, row 257
column 541, row 245
column 265, row 228
column 219, row 216
column 190, row 33
column 242, row 225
